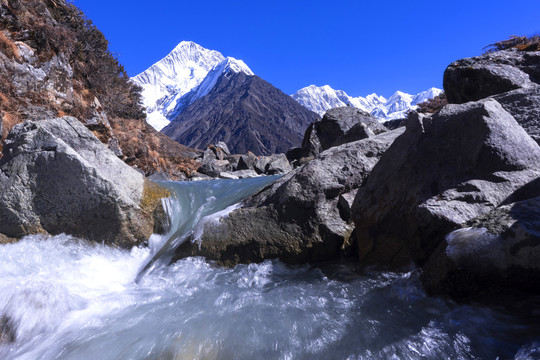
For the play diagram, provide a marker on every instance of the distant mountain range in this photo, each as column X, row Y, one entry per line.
column 322, row 98
column 198, row 96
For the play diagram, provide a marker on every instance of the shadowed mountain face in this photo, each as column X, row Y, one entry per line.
column 247, row 113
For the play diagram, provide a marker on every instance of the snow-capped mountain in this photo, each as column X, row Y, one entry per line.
column 187, row 73
column 322, row 98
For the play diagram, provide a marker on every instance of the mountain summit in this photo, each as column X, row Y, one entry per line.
column 176, row 75
column 198, row 97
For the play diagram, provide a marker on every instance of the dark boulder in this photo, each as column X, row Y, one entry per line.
column 444, row 170
column 220, row 150
column 57, row 177
column 214, row 167
column 233, row 159
column 298, row 218
column 337, row 122
column 311, row 145
column 294, row 154
column 499, row 251
column 339, row 126
column 278, row 164
column 7, row 330
column 209, row 155
column 476, row 78
column 247, row 162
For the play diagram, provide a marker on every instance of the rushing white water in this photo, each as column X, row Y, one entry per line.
column 66, row 298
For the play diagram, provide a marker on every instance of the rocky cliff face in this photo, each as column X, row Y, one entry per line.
column 245, row 112
column 54, row 62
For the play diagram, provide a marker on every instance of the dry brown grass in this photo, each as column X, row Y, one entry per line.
column 5, row 103
column 10, row 120
column 8, row 47
column 433, row 105
column 522, row 43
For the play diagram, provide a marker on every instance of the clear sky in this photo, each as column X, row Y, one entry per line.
column 360, row 47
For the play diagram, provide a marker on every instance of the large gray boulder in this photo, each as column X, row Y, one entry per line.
column 339, row 126
column 445, row 170
column 299, row 218
column 213, row 167
column 524, row 106
column 476, row 78
column 57, row 177
column 498, row 251
column 247, row 161
column 277, row 164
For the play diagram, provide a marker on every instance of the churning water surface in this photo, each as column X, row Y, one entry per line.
column 67, row 298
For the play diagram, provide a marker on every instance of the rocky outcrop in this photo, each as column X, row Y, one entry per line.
column 338, row 126
column 57, row 177
column 498, row 252
column 445, row 170
column 475, row 78
column 298, row 219
column 216, row 162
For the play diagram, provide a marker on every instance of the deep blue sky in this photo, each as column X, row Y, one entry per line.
column 360, row 47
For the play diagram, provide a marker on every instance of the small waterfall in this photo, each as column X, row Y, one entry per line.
column 191, row 206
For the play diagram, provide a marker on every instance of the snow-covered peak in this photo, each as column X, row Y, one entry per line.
column 226, row 67
column 183, row 68
column 179, row 73
column 322, row 98
column 399, row 101
column 375, row 99
column 235, row 65
column 426, row 95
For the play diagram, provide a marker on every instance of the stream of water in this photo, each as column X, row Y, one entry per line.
column 67, row 298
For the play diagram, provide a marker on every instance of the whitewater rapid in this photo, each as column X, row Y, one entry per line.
column 67, row 298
